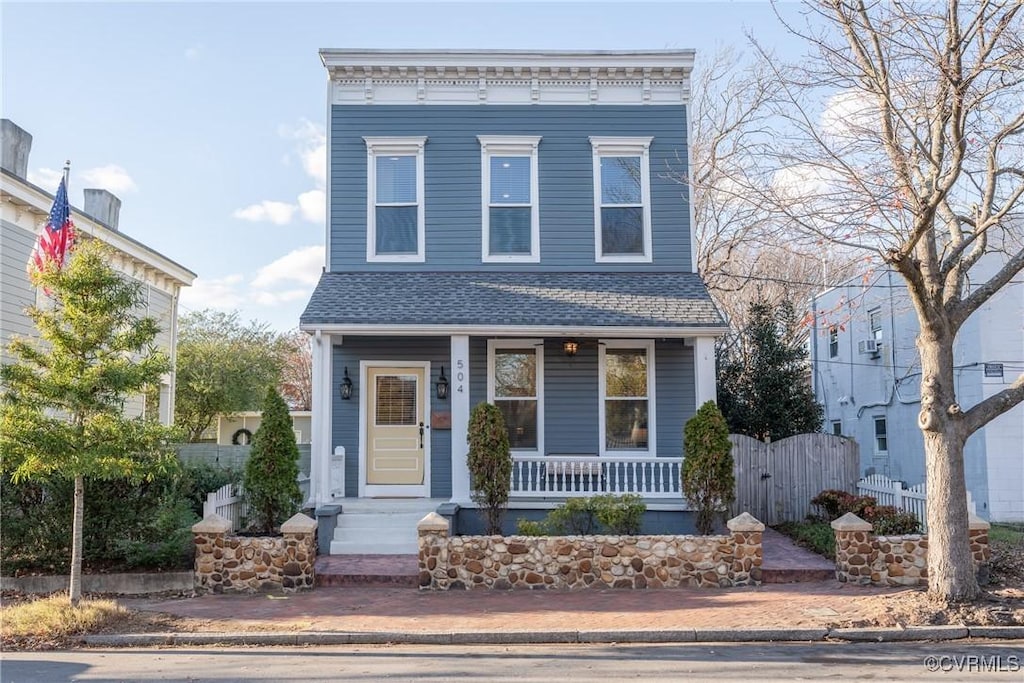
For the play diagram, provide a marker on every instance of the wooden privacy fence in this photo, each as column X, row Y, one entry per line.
column 776, row 481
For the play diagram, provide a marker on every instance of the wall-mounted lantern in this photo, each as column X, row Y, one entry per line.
column 442, row 386
column 346, row 386
column 570, row 346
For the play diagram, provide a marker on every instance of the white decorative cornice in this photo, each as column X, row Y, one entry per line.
column 508, row 77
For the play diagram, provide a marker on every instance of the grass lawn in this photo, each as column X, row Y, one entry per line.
column 1007, row 533
column 52, row 621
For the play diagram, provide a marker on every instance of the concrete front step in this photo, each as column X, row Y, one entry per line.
column 373, row 546
column 379, row 527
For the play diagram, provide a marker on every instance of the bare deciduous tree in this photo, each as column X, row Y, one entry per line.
column 918, row 159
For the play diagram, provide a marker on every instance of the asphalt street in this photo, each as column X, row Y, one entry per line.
column 946, row 661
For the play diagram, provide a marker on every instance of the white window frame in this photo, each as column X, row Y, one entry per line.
column 538, row 346
column 607, row 146
column 399, row 146
column 513, row 146
column 875, row 324
column 833, row 341
column 874, row 434
column 602, row 369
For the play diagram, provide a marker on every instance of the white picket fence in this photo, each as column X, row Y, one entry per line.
column 914, row 499
column 229, row 503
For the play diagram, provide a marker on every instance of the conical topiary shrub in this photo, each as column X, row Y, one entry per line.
column 707, row 473
column 272, row 472
column 490, row 463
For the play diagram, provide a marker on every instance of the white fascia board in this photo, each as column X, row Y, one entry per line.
column 84, row 223
column 655, row 59
column 523, row 331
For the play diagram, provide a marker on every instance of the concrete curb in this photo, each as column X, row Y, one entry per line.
column 877, row 635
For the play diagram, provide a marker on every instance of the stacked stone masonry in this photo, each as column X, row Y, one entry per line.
column 575, row 562
column 226, row 563
column 892, row 560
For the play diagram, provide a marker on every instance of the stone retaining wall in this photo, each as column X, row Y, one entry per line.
column 892, row 560
column 243, row 564
column 504, row 562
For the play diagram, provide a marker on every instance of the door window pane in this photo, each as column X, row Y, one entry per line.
column 396, row 400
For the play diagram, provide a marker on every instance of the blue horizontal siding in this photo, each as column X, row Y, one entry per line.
column 452, row 181
column 345, row 417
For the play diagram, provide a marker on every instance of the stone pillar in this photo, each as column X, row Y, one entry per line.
column 978, row 531
column 433, row 541
column 854, row 550
column 748, row 551
column 209, row 539
column 299, row 569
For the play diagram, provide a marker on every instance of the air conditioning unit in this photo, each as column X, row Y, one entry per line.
column 867, row 346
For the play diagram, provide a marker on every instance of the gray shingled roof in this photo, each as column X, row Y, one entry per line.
column 655, row 300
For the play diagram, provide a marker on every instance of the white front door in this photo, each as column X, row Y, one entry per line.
column 396, row 433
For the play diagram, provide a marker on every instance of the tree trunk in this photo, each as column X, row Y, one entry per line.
column 951, row 573
column 75, row 588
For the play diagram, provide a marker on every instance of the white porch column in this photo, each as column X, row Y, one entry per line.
column 320, row 437
column 704, row 370
column 460, row 418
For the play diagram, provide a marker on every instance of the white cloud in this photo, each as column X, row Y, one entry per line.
column 312, row 148
column 302, row 265
column 111, row 177
column 223, row 293
column 313, row 205
column 46, row 178
column 273, row 298
column 800, row 182
column 193, row 53
column 278, row 213
column 847, row 114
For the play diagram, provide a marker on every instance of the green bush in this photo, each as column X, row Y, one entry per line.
column 885, row 520
column 621, row 515
column 272, row 471
column 707, row 473
column 490, row 463
column 126, row 524
column 529, row 527
column 813, row 534
column 608, row 513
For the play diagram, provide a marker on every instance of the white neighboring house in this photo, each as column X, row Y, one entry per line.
column 238, row 428
column 867, row 374
column 25, row 208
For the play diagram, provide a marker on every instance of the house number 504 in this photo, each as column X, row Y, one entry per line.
column 460, row 375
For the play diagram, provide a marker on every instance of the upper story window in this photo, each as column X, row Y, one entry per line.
column 833, row 341
column 394, row 199
column 515, row 384
column 875, row 319
column 511, row 219
column 881, row 435
column 622, row 199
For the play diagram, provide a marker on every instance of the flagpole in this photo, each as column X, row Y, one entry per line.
column 67, row 172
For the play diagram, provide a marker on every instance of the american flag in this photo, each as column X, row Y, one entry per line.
column 57, row 236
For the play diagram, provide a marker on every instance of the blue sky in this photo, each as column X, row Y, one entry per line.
column 207, row 119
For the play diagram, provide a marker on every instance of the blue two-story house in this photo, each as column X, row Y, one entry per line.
column 510, row 227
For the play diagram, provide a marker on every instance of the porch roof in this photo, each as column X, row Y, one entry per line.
column 659, row 302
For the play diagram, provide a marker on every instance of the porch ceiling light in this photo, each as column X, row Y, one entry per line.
column 570, row 346
column 346, row 386
column 442, row 386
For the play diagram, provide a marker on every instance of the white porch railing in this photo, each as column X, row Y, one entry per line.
column 228, row 502
column 581, row 476
column 914, row 499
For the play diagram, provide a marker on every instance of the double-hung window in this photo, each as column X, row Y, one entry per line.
column 394, row 221
column 515, row 384
column 881, row 436
column 626, row 385
column 511, row 219
column 622, row 199
column 833, row 341
column 875, row 321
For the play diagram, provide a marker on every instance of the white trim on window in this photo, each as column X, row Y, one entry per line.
column 517, row 146
column 609, row 146
column 652, row 430
column 538, row 346
column 404, row 146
